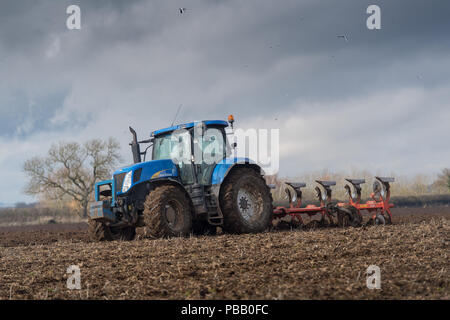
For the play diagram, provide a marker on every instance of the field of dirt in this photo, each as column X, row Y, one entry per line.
column 315, row 264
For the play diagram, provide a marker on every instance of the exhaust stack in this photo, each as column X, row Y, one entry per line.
column 135, row 148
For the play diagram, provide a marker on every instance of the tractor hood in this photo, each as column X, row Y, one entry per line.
column 126, row 177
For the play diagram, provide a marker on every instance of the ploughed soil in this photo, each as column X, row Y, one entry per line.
column 328, row 263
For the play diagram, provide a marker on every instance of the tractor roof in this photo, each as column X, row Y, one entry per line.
column 189, row 125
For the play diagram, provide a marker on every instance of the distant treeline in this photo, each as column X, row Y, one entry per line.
column 42, row 215
column 421, row 201
column 36, row 215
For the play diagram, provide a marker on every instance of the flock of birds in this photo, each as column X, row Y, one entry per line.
column 343, row 36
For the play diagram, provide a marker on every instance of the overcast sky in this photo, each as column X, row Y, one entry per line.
column 378, row 102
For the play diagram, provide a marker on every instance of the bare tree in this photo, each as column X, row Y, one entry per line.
column 442, row 182
column 446, row 176
column 71, row 170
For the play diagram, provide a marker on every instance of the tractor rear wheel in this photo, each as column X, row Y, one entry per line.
column 246, row 202
column 167, row 212
column 99, row 231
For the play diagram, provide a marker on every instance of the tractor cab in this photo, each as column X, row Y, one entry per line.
column 195, row 148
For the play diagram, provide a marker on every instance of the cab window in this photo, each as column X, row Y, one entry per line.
column 174, row 145
column 212, row 145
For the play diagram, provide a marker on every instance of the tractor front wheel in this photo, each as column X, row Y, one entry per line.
column 246, row 202
column 99, row 231
column 167, row 212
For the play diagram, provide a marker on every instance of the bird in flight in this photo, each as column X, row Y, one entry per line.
column 343, row 37
column 182, row 10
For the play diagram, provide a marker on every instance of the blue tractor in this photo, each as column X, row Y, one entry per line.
column 192, row 184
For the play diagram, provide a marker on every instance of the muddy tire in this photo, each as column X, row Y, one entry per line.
column 246, row 202
column 101, row 232
column 167, row 212
column 349, row 217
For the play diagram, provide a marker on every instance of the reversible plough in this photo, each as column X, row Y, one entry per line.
column 333, row 213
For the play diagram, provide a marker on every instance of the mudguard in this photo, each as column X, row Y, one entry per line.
column 223, row 168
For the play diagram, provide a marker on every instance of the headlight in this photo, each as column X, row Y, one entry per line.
column 127, row 182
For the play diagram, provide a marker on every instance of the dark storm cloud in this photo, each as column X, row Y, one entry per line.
column 134, row 62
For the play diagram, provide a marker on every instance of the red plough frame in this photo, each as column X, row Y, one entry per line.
column 347, row 213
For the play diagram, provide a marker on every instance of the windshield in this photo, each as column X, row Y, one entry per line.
column 209, row 148
column 174, row 145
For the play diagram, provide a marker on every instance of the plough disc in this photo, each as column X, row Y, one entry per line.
column 348, row 216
